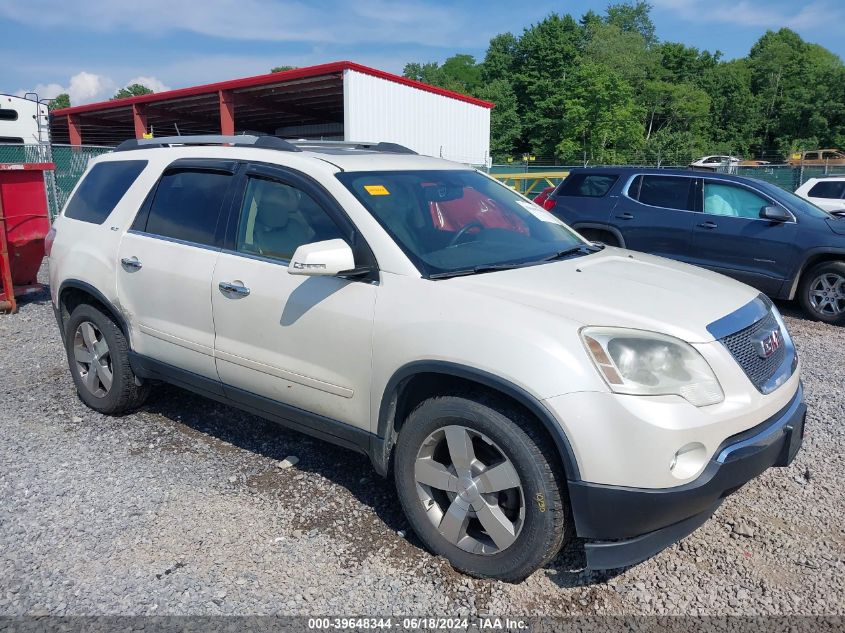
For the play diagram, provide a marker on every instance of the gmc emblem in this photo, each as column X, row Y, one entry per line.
column 767, row 343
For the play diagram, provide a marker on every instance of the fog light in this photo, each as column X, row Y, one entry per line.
column 688, row 460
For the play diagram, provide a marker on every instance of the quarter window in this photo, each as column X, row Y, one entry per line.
column 829, row 189
column 587, row 185
column 671, row 192
column 730, row 201
column 187, row 205
column 277, row 218
column 102, row 189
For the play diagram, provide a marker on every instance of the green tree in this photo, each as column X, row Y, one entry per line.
column 505, row 123
column 133, row 90
column 279, row 69
column 59, row 101
column 633, row 18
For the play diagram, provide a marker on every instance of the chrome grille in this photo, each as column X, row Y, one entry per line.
column 740, row 344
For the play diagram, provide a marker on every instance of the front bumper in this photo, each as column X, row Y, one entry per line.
column 627, row 525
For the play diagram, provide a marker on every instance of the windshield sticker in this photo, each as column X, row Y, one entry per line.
column 538, row 212
column 377, row 190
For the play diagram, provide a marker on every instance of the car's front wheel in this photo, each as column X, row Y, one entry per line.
column 822, row 293
column 481, row 486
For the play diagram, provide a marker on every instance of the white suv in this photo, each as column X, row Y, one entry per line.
column 522, row 385
column 827, row 192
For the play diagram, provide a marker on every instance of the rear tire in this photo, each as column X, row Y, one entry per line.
column 98, row 358
column 821, row 293
column 504, row 516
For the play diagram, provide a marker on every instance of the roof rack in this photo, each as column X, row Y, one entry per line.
column 240, row 140
column 389, row 148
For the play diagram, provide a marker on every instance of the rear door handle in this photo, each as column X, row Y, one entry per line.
column 233, row 288
column 625, row 216
column 131, row 263
column 708, row 225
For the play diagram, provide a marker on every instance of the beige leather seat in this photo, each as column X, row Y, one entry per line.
column 279, row 228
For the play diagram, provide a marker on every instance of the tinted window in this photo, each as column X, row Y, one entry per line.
column 830, row 189
column 102, row 189
column 588, row 185
column 730, row 201
column 811, row 156
column 664, row 191
column 276, row 219
column 11, row 139
column 8, row 115
column 187, row 204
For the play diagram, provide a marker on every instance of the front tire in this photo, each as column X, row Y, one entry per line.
column 481, row 487
column 98, row 357
column 822, row 293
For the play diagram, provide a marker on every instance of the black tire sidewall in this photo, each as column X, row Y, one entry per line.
column 528, row 551
column 804, row 291
column 113, row 400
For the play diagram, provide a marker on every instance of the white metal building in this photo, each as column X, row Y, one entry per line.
column 341, row 100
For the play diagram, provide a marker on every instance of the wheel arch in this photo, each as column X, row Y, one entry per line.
column 811, row 260
column 419, row 380
column 597, row 226
column 74, row 292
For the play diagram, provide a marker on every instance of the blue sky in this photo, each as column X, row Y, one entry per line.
column 92, row 47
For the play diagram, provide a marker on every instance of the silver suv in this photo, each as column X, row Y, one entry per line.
column 522, row 385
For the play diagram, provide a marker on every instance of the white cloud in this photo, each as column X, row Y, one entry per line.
column 153, row 83
column 412, row 21
column 85, row 87
column 754, row 13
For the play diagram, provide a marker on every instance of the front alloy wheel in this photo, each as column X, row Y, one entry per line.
column 827, row 294
column 470, row 490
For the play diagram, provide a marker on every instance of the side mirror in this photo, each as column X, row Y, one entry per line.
column 775, row 214
column 322, row 259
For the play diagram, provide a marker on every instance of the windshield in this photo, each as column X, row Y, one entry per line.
column 454, row 221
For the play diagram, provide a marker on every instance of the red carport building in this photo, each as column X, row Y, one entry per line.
column 340, row 100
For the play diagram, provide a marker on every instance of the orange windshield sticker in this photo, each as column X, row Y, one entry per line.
column 377, row 190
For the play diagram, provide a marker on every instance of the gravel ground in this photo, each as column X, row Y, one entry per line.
column 182, row 508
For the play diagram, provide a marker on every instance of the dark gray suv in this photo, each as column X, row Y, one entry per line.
column 745, row 228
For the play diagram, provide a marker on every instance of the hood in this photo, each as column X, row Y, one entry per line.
column 621, row 288
column 837, row 225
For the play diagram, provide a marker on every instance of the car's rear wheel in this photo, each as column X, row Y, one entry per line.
column 481, row 487
column 822, row 293
column 98, row 357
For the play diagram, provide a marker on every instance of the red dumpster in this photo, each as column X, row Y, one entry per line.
column 24, row 222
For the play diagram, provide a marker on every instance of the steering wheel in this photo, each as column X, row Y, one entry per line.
column 463, row 230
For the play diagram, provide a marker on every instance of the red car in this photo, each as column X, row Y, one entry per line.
column 544, row 200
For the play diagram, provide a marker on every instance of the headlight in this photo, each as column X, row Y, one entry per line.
column 644, row 363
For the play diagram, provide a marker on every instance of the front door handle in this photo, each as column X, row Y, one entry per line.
column 131, row 263
column 233, row 288
column 708, row 225
column 625, row 216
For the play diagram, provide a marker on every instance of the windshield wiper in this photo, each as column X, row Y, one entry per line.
column 483, row 268
column 488, row 268
column 581, row 248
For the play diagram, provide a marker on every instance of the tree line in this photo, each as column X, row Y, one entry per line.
column 604, row 88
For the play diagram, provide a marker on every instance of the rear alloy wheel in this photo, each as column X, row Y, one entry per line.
column 481, row 486
column 822, row 293
column 98, row 357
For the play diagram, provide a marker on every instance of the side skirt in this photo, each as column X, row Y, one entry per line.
column 286, row 415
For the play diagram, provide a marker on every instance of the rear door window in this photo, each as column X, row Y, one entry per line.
column 186, row 206
column 587, row 185
column 102, row 189
column 828, row 189
column 669, row 192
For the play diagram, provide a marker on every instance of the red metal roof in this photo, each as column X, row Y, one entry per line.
column 261, row 80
